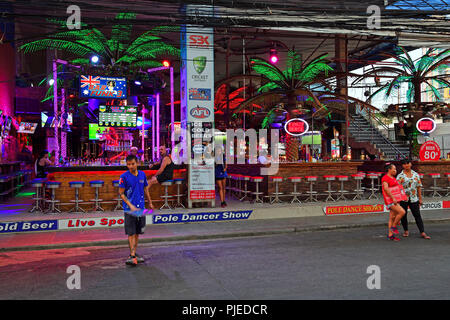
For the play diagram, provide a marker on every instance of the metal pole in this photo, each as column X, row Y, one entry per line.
column 172, row 111
column 157, row 123
column 55, row 106
column 143, row 129
column 153, row 130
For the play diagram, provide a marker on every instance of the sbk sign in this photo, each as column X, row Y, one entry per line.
column 198, row 41
column 200, row 112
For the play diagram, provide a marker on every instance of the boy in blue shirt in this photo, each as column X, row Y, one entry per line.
column 132, row 187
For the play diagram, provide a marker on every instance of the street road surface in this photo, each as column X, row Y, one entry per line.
column 308, row 265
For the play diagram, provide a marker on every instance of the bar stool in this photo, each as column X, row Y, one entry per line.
column 229, row 185
column 6, row 189
column 53, row 185
column 235, row 190
column 119, row 200
column 239, row 179
column 373, row 189
column 276, row 180
column 77, row 185
column 178, row 183
column 342, row 191
column 435, row 188
column 166, row 185
column 257, row 193
column 295, row 193
column 39, row 185
column 311, row 192
column 423, row 190
column 329, row 178
column 359, row 190
column 379, row 174
column 97, row 184
column 245, row 179
column 447, row 174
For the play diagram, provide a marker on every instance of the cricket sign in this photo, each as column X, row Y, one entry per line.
column 197, row 107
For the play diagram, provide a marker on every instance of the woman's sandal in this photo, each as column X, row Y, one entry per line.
column 393, row 238
column 426, row 237
column 405, row 235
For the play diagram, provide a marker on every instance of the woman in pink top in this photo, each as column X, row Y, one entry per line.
column 396, row 212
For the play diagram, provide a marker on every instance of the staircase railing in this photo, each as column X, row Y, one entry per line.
column 373, row 120
column 374, row 131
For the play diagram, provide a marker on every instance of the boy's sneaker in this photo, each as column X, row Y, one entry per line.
column 139, row 258
column 132, row 261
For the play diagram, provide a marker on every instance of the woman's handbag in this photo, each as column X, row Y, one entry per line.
column 397, row 192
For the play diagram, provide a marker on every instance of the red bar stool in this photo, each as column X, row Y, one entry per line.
column 245, row 179
column 423, row 190
column 312, row 194
column 329, row 178
column 447, row 174
column 257, row 193
column 295, row 193
column 435, row 188
column 359, row 191
column 379, row 174
column 277, row 180
column 229, row 186
column 372, row 176
column 342, row 191
column 238, row 189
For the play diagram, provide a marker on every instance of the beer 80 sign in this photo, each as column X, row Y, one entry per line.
column 430, row 151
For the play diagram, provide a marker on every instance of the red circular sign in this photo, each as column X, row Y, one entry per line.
column 296, row 127
column 426, row 125
column 430, row 151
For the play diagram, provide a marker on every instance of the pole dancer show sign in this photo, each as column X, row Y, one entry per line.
column 103, row 87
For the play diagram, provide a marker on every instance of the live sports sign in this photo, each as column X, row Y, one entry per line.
column 430, row 151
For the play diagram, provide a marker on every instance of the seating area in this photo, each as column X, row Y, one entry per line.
column 12, row 183
column 243, row 188
column 359, row 186
column 46, row 201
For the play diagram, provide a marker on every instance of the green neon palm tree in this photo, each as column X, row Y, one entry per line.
column 414, row 74
column 120, row 50
column 119, row 54
column 296, row 79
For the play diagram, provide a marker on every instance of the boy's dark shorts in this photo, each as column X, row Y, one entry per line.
column 134, row 225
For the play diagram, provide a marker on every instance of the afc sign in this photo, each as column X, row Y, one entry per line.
column 198, row 41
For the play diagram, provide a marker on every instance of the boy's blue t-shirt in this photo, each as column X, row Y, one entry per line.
column 134, row 189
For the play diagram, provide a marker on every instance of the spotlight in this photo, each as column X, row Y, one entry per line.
column 166, row 63
column 273, row 56
column 138, row 83
column 51, row 82
column 94, row 59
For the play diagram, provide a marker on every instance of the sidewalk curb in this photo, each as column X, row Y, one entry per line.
column 209, row 236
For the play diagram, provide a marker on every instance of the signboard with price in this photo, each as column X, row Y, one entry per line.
column 430, row 151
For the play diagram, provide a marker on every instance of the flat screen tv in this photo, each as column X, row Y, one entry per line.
column 117, row 116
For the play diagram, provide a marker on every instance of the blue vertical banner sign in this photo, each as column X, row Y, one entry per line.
column 197, row 105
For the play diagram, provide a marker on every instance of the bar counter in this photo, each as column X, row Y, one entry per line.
column 287, row 170
column 107, row 174
column 345, row 168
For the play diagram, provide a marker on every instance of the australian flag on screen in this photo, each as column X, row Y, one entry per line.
column 103, row 87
